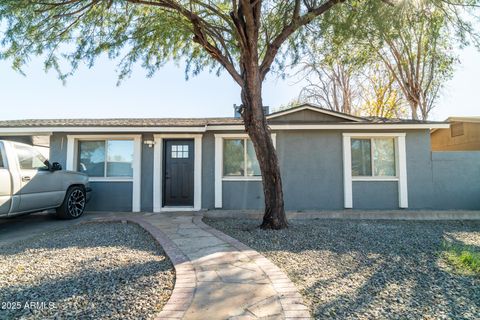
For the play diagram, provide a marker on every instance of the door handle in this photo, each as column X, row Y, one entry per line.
column 26, row 178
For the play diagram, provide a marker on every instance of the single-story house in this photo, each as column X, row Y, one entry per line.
column 463, row 135
column 329, row 160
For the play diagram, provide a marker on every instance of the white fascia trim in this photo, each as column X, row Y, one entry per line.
column 158, row 176
column 352, row 126
column 219, row 163
column 24, row 133
column 348, row 126
column 331, row 113
column 72, row 146
column 400, row 163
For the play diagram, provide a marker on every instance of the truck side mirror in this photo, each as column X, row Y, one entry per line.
column 56, row 166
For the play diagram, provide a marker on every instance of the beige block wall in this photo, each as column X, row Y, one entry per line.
column 442, row 139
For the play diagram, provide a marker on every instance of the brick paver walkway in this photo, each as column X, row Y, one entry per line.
column 219, row 277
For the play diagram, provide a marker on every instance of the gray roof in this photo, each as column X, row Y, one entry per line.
column 186, row 122
column 121, row 122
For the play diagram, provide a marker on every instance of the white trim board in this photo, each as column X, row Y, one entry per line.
column 158, row 176
column 348, row 126
column 72, row 155
column 400, row 166
column 226, row 127
column 219, row 165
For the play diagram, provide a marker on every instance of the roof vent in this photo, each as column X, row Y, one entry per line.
column 236, row 111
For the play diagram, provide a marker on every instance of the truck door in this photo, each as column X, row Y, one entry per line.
column 5, row 183
column 40, row 188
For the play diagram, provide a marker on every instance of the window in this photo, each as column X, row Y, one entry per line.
column 30, row 159
column 456, row 129
column 180, row 151
column 106, row 158
column 239, row 158
column 1, row 159
column 373, row 157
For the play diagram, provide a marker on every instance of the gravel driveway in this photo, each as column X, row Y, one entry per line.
column 370, row 269
column 89, row 271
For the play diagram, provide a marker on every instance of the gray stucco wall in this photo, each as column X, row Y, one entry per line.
column 419, row 169
column 106, row 196
column 146, row 189
column 208, row 171
column 245, row 195
column 456, row 180
column 375, row 195
column 110, row 196
column 312, row 172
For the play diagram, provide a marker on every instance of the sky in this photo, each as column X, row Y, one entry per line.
column 93, row 93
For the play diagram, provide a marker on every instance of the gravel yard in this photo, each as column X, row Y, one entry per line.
column 89, row 271
column 348, row 269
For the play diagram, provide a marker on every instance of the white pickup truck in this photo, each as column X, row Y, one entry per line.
column 30, row 183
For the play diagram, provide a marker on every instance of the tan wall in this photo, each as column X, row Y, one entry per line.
column 442, row 139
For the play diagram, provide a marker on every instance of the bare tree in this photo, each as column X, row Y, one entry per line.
column 330, row 86
column 417, row 51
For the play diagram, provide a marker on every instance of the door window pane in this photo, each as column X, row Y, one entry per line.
column 179, row 151
column 361, row 157
column 1, row 160
column 384, row 157
column 92, row 158
column 233, row 157
column 253, row 168
column 119, row 158
column 30, row 159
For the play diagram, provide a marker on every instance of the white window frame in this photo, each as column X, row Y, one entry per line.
column 372, row 162
column 105, row 161
column 219, row 178
column 400, row 166
column 245, row 176
column 158, row 171
column 72, row 162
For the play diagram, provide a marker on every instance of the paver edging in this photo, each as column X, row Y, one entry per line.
column 182, row 296
column 291, row 301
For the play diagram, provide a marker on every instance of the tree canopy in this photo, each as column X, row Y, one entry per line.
column 408, row 46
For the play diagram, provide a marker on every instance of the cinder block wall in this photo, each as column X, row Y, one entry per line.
column 456, row 180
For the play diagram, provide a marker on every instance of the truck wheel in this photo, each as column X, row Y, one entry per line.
column 73, row 205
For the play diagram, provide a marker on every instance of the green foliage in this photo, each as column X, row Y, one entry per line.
column 130, row 32
column 80, row 31
column 413, row 39
column 464, row 258
column 70, row 32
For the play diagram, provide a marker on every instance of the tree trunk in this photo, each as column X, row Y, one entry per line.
column 414, row 109
column 259, row 132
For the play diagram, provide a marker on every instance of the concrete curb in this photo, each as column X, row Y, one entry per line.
column 355, row 214
column 185, row 279
column 291, row 301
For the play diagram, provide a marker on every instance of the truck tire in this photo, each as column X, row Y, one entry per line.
column 74, row 203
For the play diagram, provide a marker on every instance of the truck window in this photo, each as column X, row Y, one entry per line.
column 1, row 159
column 30, row 159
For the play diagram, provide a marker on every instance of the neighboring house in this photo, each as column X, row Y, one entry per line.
column 329, row 160
column 463, row 135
